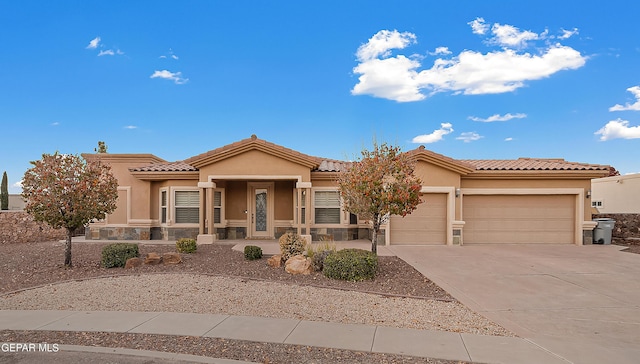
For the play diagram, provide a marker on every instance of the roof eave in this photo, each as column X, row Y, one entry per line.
column 536, row 174
column 108, row 157
column 164, row 175
column 421, row 154
column 324, row 176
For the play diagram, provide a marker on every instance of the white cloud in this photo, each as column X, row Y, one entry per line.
column 170, row 54
column 618, row 129
column 508, row 139
column 17, row 184
column 498, row 117
column 440, row 50
column 399, row 78
column 437, row 135
column 381, row 44
column 468, row 137
column 635, row 90
column 110, row 52
column 510, row 36
column 55, row 123
column 478, row 26
column 568, row 33
column 131, row 127
column 167, row 75
column 93, row 44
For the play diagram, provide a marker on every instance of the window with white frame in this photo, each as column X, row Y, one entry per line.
column 300, row 205
column 327, row 207
column 187, row 207
column 163, row 206
column 597, row 203
column 217, row 206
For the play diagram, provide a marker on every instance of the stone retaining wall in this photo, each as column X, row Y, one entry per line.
column 626, row 226
column 18, row 227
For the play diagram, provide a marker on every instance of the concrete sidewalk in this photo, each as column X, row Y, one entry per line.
column 378, row 339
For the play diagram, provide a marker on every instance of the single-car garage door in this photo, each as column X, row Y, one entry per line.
column 425, row 225
column 519, row 218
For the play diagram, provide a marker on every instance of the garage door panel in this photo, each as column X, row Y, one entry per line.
column 519, row 218
column 426, row 225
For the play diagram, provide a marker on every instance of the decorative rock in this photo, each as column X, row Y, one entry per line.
column 132, row 263
column 19, row 227
column 298, row 264
column 275, row 261
column 153, row 259
column 171, row 258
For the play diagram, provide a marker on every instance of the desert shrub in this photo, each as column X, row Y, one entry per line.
column 317, row 261
column 116, row 255
column 351, row 265
column 291, row 244
column 186, row 245
column 252, row 252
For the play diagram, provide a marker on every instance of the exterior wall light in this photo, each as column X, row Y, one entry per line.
column 457, row 192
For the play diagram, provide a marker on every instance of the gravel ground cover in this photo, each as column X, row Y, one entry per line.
column 217, row 279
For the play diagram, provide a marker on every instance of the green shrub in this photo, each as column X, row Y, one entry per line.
column 351, row 265
column 116, row 255
column 291, row 244
column 186, row 245
column 252, row 252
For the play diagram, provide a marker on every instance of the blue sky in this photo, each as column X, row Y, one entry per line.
column 468, row 79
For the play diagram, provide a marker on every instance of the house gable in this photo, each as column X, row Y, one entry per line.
column 248, row 145
column 438, row 170
column 254, row 162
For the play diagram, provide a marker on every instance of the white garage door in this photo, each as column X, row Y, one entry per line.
column 426, row 225
column 519, row 218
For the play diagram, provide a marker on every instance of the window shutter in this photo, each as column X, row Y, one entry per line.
column 187, row 198
column 187, row 207
column 327, row 207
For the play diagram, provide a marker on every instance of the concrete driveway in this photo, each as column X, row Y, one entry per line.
column 581, row 303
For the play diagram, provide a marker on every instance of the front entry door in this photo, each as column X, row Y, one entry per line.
column 261, row 211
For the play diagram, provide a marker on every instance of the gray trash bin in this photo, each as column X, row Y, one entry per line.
column 602, row 232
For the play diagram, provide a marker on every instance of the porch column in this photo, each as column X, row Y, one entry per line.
column 299, row 211
column 201, row 211
column 306, row 186
column 206, row 214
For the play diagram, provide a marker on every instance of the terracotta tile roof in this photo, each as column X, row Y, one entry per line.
column 330, row 165
column 533, row 164
column 166, row 167
column 318, row 164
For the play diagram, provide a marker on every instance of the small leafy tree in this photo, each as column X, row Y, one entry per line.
column 102, row 147
column 380, row 184
column 4, row 193
column 66, row 191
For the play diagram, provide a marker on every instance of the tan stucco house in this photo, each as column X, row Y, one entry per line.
column 616, row 194
column 254, row 189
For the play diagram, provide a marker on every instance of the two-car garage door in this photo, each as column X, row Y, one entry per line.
column 489, row 219
column 519, row 218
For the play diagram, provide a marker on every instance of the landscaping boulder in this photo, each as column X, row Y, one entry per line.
column 171, row 258
column 153, row 259
column 275, row 261
column 132, row 263
column 298, row 264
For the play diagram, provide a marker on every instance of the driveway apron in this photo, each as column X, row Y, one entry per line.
column 581, row 303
